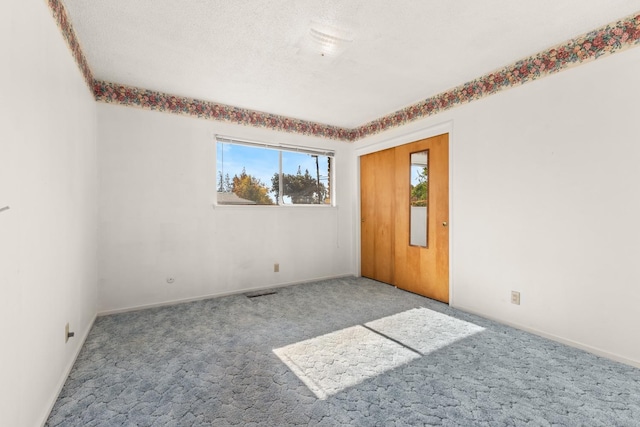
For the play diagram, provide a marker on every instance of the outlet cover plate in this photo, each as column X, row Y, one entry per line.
column 515, row 297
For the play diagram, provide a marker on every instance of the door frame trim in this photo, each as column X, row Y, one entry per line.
column 362, row 148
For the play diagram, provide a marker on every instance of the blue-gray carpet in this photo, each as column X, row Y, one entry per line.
column 338, row 352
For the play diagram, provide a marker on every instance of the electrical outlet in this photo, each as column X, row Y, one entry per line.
column 515, row 297
column 66, row 332
column 276, row 268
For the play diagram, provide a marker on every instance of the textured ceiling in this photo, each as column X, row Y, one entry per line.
column 256, row 54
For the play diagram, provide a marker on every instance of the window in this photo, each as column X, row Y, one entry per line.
column 250, row 173
column 419, row 198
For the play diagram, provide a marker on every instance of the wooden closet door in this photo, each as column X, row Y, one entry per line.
column 387, row 254
column 377, row 209
column 423, row 270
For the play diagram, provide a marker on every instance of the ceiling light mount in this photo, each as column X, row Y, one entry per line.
column 327, row 40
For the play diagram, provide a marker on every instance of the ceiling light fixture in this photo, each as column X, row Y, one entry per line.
column 327, row 40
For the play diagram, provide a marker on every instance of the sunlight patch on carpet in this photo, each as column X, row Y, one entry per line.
column 333, row 362
column 424, row 330
column 330, row 363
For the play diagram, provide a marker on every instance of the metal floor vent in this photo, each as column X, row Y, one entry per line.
column 259, row 294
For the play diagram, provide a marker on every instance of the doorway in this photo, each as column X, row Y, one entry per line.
column 404, row 206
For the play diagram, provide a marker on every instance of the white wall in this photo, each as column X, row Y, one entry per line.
column 157, row 183
column 48, row 238
column 545, row 198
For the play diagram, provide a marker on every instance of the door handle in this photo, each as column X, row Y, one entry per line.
column 444, row 223
column 6, row 208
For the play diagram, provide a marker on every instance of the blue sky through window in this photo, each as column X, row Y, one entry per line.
column 263, row 163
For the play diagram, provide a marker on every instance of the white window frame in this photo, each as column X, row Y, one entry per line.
column 280, row 148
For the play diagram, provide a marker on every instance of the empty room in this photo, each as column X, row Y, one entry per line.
column 297, row 212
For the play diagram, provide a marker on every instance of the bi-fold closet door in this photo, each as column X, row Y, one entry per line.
column 404, row 206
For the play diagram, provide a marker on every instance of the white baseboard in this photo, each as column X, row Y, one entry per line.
column 556, row 338
column 218, row 295
column 67, row 371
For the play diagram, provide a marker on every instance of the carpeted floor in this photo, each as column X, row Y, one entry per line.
column 339, row 352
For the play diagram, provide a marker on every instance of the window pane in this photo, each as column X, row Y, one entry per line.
column 246, row 174
column 306, row 178
column 419, row 198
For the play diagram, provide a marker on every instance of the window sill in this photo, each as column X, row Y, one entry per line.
column 216, row 206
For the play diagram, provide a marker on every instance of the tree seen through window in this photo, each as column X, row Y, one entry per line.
column 245, row 172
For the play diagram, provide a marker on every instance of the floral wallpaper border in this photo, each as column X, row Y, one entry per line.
column 605, row 40
column 158, row 101
column 62, row 19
